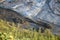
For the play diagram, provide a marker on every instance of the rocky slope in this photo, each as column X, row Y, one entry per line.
column 48, row 13
column 12, row 16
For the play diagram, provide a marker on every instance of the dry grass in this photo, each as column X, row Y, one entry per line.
column 14, row 33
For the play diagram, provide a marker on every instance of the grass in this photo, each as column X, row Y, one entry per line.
column 11, row 32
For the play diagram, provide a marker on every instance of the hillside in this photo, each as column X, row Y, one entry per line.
column 8, row 32
column 9, row 15
column 12, row 16
column 29, row 20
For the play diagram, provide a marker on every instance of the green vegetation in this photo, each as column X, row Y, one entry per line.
column 10, row 32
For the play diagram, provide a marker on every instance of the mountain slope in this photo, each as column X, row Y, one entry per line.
column 8, row 32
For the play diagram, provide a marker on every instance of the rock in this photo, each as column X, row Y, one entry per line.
column 41, row 12
column 2, row 1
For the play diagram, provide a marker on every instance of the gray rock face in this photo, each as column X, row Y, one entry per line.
column 47, row 11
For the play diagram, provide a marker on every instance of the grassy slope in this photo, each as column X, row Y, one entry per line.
column 8, row 32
